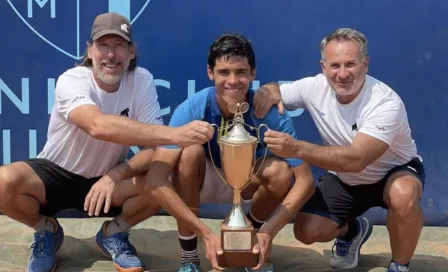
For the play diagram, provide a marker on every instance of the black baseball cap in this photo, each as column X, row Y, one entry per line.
column 111, row 23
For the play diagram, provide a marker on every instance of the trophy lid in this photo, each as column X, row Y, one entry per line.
column 238, row 134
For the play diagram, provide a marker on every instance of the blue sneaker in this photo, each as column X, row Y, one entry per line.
column 189, row 267
column 348, row 252
column 119, row 249
column 267, row 267
column 46, row 243
column 394, row 267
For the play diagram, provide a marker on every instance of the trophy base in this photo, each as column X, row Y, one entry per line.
column 237, row 245
column 238, row 259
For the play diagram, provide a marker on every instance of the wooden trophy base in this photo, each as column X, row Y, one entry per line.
column 237, row 246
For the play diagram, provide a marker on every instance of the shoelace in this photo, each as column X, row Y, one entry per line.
column 121, row 244
column 43, row 246
column 342, row 247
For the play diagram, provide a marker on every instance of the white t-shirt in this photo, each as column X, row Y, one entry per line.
column 377, row 111
column 73, row 149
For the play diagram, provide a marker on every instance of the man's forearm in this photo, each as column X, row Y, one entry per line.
column 135, row 166
column 335, row 158
column 120, row 130
column 299, row 194
column 170, row 201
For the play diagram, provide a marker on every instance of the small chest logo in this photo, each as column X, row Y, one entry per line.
column 125, row 112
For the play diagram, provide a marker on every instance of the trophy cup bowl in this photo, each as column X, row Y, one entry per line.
column 237, row 155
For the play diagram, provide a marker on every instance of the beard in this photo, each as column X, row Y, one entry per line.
column 346, row 92
column 350, row 90
column 108, row 78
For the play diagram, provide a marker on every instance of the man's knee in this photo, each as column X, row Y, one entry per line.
column 192, row 157
column 311, row 228
column 402, row 194
column 191, row 167
column 16, row 179
column 8, row 186
column 277, row 175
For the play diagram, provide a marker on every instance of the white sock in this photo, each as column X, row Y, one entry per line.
column 117, row 225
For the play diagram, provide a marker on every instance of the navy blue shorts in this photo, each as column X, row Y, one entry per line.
column 341, row 202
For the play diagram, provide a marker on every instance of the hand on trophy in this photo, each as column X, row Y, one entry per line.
column 195, row 132
column 281, row 144
column 212, row 248
column 263, row 247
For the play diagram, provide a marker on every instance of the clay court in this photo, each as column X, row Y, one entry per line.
column 157, row 244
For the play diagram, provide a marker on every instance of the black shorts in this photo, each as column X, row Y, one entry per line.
column 341, row 202
column 64, row 190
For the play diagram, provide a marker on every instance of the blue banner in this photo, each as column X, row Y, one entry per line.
column 408, row 43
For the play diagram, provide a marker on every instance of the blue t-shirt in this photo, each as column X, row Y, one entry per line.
column 204, row 106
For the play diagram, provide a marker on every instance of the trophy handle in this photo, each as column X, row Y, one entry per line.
column 255, row 151
column 211, row 156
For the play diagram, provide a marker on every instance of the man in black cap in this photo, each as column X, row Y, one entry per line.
column 83, row 164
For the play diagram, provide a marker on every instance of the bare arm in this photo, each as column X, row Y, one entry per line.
column 289, row 96
column 370, row 143
column 298, row 195
column 265, row 97
column 364, row 150
column 161, row 167
column 121, row 130
column 135, row 166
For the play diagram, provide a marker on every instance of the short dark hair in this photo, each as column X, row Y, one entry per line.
column 231, row 45
column 87, row 62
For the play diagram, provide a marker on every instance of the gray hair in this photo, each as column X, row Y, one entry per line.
column 346, row 34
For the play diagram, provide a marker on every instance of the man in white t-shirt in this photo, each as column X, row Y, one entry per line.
column 367, row 149
column 102, row 107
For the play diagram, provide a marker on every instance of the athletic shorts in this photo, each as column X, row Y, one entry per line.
column 341, row 202
column 64, row 190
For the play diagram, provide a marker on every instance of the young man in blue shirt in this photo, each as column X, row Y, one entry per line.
column 183, row 178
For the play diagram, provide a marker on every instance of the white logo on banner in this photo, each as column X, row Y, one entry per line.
column 119, row 6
